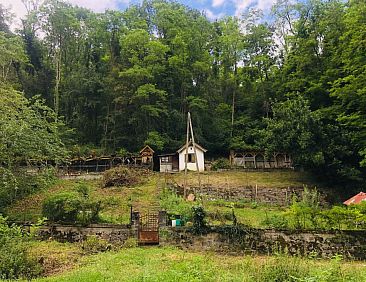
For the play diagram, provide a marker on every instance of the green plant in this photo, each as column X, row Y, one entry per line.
column 175, row 204
column 15, row 262
column 130, row 243
column 221, row 163
column 305, row 212
column 72, row 207
column 254, row 205
column 92, row 245
column 275, row 221
column 199, row 221
column 284, row 268
column 62, row 207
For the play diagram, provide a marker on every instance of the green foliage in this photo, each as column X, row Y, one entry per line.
column 304, row 212
column 130, row 243
column 93, row 245
column 221, row 163
column 18, row 184
column 72, row 207
column 155, row 140
column 199, row 220
column 307, row 214
column 62, row 207
column 124, row 79
column 292, row 129
column 28, row 130
column 174, row 204
column 15, row 262
column 275, row 221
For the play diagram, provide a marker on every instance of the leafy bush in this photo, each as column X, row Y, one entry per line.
column 17, row 185
column 124, row 176
column 72, row 207
column 8, row 187
column 14, row 260
column 305, row 213
column 276, row 221
column 176, row 205
column 221, row 163
column 199, row 221
column 62, row 207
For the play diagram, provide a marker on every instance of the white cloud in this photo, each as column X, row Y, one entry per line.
column 98, row 5
column 18, row 8
column 265, row 5
column 242, row 5
column 212, row 16
column 217, row 3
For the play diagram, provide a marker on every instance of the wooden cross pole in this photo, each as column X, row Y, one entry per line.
column 186, row 158
column 195, row 153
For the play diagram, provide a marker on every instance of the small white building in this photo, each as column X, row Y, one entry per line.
column 191, row 164
column 176, row 161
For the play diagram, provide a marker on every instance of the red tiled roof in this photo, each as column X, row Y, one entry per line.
column 356, row 199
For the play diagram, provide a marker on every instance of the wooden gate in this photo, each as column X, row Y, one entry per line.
column 148, row 231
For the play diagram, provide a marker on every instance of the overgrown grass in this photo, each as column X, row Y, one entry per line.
column 227, row 179
column 116, row 201
column 55, row 257
column 170, row 264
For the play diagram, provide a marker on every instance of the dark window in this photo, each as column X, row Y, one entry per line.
column 191, row 158
column 165, row 160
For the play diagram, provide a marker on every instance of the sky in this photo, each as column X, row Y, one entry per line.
column 214, row 9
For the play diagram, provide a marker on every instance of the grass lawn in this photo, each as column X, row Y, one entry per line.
column 248, row 214
column 171, row 264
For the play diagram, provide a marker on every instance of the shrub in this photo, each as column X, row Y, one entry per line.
column 14, row 260
column 62, row 207
column 17, row 185
column 72, row 207
column 305, row 213
column 176, row 205
column 199, row 221
column 124, row 176
column 275, row 221
column 8, row 187
column 221, row 163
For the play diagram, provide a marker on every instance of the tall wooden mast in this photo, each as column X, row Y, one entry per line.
column 190, row 131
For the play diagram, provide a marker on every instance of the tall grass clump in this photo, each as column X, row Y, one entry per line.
column 15, row 262
column 176, row 205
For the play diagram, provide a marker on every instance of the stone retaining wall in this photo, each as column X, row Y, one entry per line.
column 69, row 233
column 350, row 244
column 264, row 195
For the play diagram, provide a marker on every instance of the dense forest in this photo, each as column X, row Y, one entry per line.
column 293, row 81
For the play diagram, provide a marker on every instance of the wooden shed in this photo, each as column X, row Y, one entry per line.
column 147, row 155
